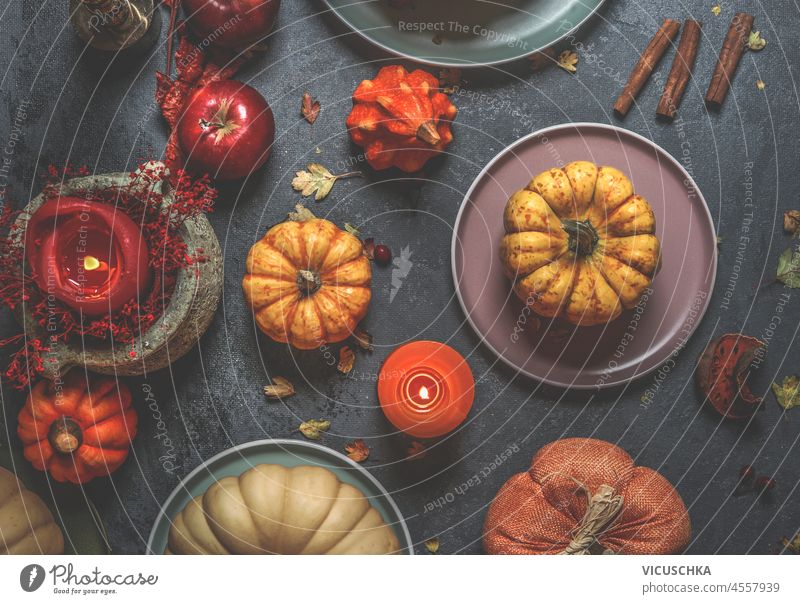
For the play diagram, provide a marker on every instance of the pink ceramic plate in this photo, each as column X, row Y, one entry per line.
column 640, row 340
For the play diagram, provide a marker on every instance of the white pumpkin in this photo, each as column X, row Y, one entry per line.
column 26, row 524
column 272, row 509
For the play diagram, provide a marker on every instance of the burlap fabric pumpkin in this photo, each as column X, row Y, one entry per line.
column 585, row 496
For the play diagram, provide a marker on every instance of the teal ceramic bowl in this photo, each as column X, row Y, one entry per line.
column 460, row 33
column 285, row 452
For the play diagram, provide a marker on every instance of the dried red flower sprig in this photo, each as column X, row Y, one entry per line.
column 195, row 66
column 168, row 253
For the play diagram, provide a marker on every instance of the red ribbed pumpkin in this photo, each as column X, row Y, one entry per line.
column 77, row 430
column 401, row 119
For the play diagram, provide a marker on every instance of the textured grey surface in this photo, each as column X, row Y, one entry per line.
column 212, row 398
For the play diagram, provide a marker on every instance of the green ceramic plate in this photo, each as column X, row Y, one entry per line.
column 290, row 453
column 70, row 505
column 464, row 32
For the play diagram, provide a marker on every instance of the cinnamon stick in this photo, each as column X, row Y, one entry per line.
column 729, row 57
column 681, row 70
column 647, row 62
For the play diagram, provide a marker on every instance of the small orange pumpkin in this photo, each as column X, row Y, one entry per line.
column 401, row 119
column 308, row 283
column 77, row 430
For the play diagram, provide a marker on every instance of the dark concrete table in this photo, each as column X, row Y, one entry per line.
column 212, row 399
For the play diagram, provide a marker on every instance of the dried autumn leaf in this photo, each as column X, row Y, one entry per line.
column 317, row 180
column 352, row 230
column 716, row 10
column 793, row 544
column 369, row 248
column 357, row 450
column 301, row 213
column 788, row 393
column 347, row 359
column 362, row 338
column 310, row 108
column 755, row 41
column 313, row 428
column 789, row 268
column 416, row 450
column 760, row 84
column 568, row 61
column 449, row 79
column 791, row 221
column 280, row 388
column 540, row 60
column 432, row 545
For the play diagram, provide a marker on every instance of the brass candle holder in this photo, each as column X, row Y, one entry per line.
column 114, row 25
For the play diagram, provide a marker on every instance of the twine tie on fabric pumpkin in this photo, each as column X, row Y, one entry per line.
column 601, row 511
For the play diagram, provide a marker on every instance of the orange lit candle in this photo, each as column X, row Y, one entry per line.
column 426, row 389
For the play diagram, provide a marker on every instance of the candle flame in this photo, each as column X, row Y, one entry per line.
column 424, row 394
column 90, row 263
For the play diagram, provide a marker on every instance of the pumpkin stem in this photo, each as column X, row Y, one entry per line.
column 65, row 435
column 427, row 132
column 308, row 282
column 582, row 236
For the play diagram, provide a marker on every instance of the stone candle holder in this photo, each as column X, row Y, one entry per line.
column 187, row 316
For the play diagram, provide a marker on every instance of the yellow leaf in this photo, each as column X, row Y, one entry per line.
column 755, row 41
column 760, row 84
column 357, row 450
column 716, row 10
column 568, row 61
column 317, row 180
column 432, row 545
column 280, row 388
column 301, row 213
column 313, row 428
column 788, row 393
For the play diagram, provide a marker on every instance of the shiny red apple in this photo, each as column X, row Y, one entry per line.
column 226, row 130
column 231, row 23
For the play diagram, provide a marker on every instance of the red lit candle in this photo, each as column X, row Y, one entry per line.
column 426, row 389
column 87, row 254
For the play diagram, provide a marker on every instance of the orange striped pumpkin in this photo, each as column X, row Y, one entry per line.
column 79, row 429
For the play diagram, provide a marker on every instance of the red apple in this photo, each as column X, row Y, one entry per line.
column 231, row 23
column 226, row 130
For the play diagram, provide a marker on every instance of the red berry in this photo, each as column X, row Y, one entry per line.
column 747, row 473
column 383, row 255
column 766, row 483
